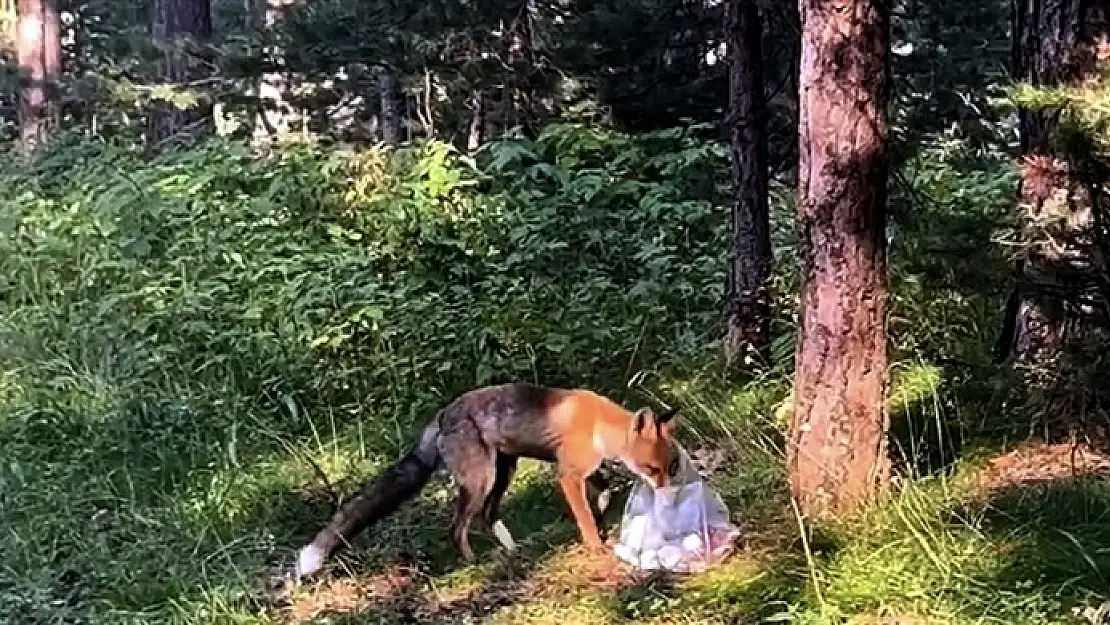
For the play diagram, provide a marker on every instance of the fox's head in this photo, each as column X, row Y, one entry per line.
column 649, row 446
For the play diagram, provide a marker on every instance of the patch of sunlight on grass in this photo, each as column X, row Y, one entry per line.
column 574, row 588
column 466, row 579
column 279, row 487
column 716, row 409
column 592, row 608
column 735, row 573
column 737, row 590
column 10, row 389
column 911, row 556
column 954, row 555
column 914, row 384
column 213, row 604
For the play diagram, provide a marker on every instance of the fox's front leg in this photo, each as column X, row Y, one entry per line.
column 574, row 489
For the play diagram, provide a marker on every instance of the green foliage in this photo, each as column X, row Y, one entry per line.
column 184, row 339
column 950, row 62
column 214, row 260
column 639, row 232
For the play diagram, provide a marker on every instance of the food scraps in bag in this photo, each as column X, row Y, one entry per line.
column 683, row 527
column 690, row 555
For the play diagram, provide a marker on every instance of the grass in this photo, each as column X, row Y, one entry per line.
column 195, row 367
column 104, row 523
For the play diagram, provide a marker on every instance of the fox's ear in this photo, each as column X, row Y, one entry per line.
column 667, row 416
column 642, row 419
column 667, row 422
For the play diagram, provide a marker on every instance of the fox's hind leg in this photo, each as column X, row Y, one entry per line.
column 506, row 466
column 472, row 464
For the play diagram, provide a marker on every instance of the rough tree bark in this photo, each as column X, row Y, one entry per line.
column 837, row 444
column 747, row 293
column 39, row 55
column 1055, row 44
column 174, row 22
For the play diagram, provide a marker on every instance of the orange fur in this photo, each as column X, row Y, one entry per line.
column 590, row 429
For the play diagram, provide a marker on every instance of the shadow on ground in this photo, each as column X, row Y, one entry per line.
column 1048, row 506
column 407, row 573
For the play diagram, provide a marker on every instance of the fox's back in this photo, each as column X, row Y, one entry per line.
column 524, row 419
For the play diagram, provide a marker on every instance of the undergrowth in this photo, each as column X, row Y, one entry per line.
column 200, row 355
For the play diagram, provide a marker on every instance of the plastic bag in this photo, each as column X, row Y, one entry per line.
column 683, row 528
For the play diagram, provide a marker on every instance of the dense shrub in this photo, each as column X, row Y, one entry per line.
column 385, row 279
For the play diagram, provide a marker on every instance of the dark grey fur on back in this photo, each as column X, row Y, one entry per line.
column 511, row 418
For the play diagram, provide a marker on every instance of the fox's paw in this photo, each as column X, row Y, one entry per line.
column 595, row 548
column 603, row 500
column 504, row 537
column 309, row 561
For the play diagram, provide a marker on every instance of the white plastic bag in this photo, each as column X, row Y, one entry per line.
column 683, row 527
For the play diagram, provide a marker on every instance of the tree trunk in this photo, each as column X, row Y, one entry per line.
column 837, row 447
column 1054, row 45
column 274, row 113
column 475, row 135
column 38, row 52
column 391, row 118
column 748, row 305
column 174, row 23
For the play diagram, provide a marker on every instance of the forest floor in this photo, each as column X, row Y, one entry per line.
column 552, row 579
column 1008, row 536
column 945, row 529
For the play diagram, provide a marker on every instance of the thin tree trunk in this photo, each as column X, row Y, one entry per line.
column 38, row 52
column 837, row 446
column 475, row 136
column 52, row 57
column 274, row 113
column 173, row 23
column 748, row 305
column 391, row 118
column 1053, row 46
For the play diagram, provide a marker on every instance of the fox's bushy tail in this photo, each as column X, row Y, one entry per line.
column 377, row 500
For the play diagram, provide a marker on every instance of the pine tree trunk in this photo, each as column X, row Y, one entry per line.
column 1054, row 45
column 173, row 23
column 748, row 305
column 837, row 445
column 38, row 52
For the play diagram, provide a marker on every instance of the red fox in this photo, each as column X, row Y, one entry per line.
column 478, row 438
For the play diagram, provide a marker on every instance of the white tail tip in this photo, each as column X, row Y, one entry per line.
column 309, row 561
